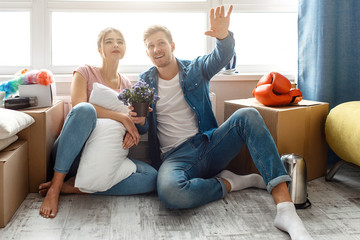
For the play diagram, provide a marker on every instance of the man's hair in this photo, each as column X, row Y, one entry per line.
column 157, row 28
column 103, row 33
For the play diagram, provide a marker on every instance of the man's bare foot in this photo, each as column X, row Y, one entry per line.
column 49, row 207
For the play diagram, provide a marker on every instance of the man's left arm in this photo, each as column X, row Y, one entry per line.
column 225, row 43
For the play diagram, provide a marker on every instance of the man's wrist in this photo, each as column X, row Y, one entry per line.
column 223, row 36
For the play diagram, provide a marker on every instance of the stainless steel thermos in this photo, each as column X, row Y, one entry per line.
column 296, row 168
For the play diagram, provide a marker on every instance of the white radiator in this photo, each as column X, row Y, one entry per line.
column 67, row 103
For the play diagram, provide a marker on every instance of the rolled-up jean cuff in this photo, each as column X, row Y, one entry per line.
column 274, row 182
column 61, row 171
column 222, row 186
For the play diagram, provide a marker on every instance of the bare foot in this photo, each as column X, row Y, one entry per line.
column 43, row 188
column 67, row 188
column 49, row 207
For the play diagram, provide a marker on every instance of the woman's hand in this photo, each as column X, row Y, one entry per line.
column 128, row 141
column 131, row 130
column 123, row 118
column 135, row 119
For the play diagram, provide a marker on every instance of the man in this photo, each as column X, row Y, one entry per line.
column 185, row 141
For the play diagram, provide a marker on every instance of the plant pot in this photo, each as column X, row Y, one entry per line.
column 142, row 109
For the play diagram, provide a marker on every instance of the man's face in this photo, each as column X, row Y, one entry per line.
column 159, row 50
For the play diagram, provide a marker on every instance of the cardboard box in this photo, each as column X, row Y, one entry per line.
column 13, row 179
column 297, row 129
column 41, row 136
column 43, row 93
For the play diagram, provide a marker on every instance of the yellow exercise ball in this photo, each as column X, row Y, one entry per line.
column 342, row 131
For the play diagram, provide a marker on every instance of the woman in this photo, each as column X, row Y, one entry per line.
column 81, row 121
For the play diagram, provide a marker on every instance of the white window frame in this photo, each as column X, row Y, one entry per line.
column 40, row 14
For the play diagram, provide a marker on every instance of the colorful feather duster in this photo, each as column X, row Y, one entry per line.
column 24, row 77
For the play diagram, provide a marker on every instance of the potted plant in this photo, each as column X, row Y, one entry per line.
column 140, row 96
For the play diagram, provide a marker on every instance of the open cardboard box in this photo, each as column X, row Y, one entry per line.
column 297, row 129
column 13, row 179
column 44, row 94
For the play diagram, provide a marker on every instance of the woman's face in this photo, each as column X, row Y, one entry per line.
column 113, row 46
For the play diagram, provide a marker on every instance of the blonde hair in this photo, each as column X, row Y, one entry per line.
column 103, row 33
column 157, row 28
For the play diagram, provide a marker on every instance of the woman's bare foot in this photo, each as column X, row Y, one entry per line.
column 44, row 188
column 49, row 207
column 67, row 188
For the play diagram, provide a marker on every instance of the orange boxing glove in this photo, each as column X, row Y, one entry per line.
column 274, row 89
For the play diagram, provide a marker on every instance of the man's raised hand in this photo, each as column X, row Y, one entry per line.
column 219, row 23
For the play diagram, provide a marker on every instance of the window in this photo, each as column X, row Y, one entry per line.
column 82, row 30
column 61, row 34
column 265, row 40
column 15, row 38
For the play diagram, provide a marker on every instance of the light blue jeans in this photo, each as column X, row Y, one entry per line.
column 186, row 176
column 67, row 149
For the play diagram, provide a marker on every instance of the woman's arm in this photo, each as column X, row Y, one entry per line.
column 78, row 89
column 79, row 94
column 124, row 119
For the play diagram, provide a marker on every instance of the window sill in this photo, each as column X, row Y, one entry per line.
column 63, row 78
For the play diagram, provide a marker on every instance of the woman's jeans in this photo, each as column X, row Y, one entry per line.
column 68, row 147
column 186, row 176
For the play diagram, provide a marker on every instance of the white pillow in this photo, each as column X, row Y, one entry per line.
column 12, row 122
column 104, row 161
column 7, row 141
column 106, row 97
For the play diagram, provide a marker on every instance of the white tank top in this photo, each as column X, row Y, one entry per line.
column 176, row 121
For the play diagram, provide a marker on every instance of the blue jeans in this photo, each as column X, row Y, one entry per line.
column 68, row 147
column 186, row 176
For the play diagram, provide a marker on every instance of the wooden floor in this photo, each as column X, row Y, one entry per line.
column 248, row 214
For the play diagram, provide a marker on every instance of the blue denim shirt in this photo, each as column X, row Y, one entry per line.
column 194, row 81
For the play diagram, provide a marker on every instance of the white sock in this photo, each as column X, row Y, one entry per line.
column 287, row 220
column 239, row 182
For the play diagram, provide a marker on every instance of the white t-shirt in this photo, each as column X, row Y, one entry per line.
column 176, row 121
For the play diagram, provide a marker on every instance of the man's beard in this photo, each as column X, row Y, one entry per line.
column 165, row 61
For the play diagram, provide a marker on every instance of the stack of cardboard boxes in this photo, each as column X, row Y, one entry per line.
column 24, row 164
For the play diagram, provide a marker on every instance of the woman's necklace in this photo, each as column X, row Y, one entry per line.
column 112, row 83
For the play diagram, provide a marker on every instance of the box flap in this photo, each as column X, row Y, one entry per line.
column 309, row 103
column 10, row 149
column 252, row 102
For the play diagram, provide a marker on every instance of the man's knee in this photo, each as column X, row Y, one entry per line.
column 247, row 113
column 246, row 116
column 173, row 193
